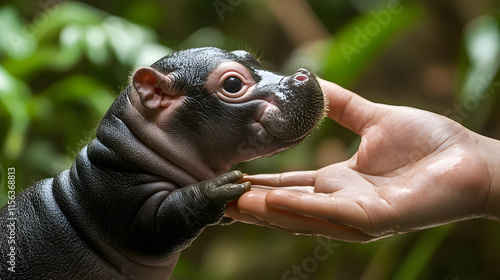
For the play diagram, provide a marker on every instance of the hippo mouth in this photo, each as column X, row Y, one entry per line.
column 291, row 116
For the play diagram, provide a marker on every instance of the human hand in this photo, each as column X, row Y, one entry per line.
column 413, row 170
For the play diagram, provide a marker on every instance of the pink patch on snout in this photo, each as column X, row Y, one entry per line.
column 301, row 78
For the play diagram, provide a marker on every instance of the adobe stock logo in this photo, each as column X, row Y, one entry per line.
column 363, row 35
column 41, row 18
column 471, row 103
column 221, row 7
column 310, row 264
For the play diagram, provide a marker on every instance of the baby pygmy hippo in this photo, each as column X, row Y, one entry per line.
column 154, row 176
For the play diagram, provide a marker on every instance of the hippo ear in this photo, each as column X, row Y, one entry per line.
column 155, row 89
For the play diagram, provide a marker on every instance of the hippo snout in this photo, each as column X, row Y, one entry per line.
column 297, row 110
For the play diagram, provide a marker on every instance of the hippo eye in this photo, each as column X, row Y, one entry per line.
column 233, row 84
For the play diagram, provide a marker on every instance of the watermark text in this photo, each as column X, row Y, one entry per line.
column 11, row 220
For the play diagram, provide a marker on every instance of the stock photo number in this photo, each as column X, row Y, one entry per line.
column 11, row 220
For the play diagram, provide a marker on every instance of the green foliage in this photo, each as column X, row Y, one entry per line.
column 421, row 253
column 481, row 72
column 45, row 95
column 357, row 44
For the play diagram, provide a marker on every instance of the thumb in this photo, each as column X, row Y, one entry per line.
column 347, row 108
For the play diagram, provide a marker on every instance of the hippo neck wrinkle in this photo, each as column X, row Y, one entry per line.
column 175, row 153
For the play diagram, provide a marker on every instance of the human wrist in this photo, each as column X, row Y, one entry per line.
column 490, row 151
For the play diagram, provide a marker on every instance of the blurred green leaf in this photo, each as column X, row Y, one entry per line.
column 59, row 16
column 207, row 36
column 130, row 41
column 482, row 48
column 421, row 252
column 96, row 45
column 14, row 95
column 81, row 28
column 17, row 42
column 359, row 42
column 80, row 88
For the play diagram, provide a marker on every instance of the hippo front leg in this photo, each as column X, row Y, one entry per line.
column 185, row 212
column 197, row 206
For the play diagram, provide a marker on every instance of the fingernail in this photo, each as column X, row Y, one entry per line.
column 247, row 185
column 236, row 175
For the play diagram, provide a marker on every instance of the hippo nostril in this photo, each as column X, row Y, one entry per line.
column 301, row 78
column 302, row 75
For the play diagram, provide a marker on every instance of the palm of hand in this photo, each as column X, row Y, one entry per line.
column 413, row 169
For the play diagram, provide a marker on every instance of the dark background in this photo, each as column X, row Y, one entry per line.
column 63, row 62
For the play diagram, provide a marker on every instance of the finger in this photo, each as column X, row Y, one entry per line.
column 203, row 203
column 256, row 212
column 302, row 189
column 298, row 224
column 233, row 212
column 294, row 178
column 226, row 178
column 348, row 108
column 338, row 210
column 223, row 194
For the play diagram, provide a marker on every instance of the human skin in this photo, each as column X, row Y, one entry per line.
column 413, row 170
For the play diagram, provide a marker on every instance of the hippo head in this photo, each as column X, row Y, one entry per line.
column 223, row 107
